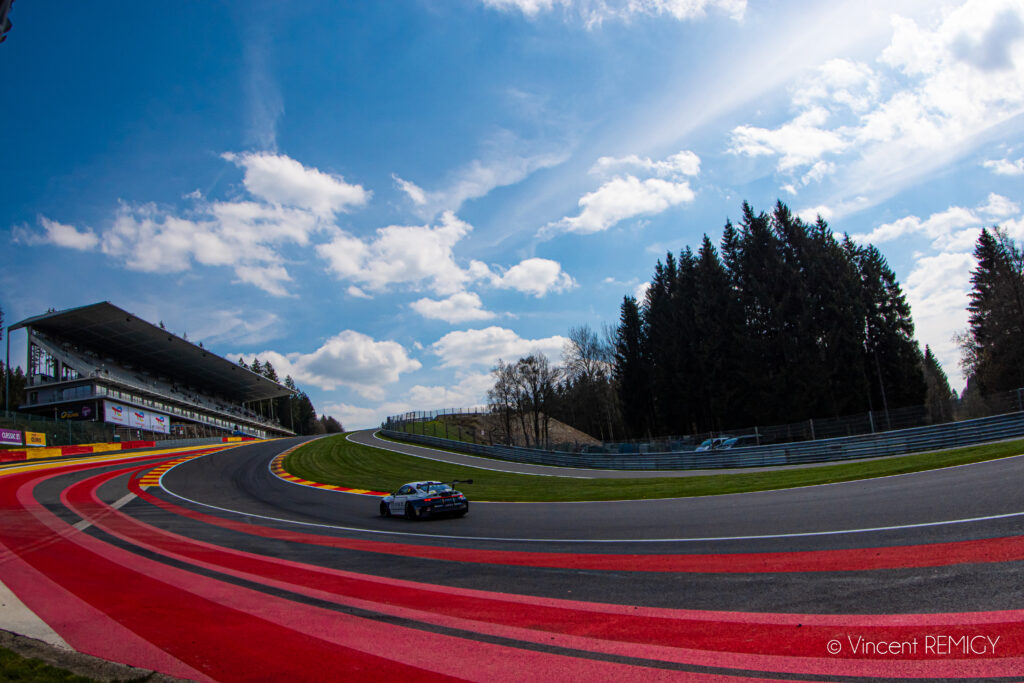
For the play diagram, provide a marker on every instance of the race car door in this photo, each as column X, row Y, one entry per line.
column 401, row 496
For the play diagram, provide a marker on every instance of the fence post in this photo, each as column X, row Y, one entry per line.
column 811, row 421
column 871, row 420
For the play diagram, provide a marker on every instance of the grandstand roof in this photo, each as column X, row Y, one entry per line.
column 113, row 332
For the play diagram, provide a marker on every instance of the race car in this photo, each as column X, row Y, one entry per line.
column 420, row 499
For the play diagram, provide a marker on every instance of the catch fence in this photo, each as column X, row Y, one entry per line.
column 423, row 428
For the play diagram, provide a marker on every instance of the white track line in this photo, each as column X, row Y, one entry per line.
column 696, row 539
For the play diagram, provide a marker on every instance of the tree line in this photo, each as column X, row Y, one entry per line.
column 781, row 322
column 992, row 348
column 295, row 411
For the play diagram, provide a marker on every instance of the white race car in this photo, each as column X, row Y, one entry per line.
column 420, row 499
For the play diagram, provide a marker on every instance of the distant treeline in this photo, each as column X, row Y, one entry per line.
column 787, row 322
column 783, row 321
column 295, row 412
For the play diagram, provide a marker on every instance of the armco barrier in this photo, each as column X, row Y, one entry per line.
column 901, row 442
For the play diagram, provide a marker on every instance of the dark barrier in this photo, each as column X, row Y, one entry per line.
column 900, row 442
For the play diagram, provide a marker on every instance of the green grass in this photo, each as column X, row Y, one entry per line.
column 14, row 667
column 335, row 460
column 441, row 429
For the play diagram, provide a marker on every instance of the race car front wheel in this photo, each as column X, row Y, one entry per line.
column 384, row 511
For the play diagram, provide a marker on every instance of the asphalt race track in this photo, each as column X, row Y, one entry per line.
column 214, row 568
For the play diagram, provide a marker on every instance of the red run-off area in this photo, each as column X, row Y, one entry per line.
column 112, row 585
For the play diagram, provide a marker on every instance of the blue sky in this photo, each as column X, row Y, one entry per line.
column 383, row 198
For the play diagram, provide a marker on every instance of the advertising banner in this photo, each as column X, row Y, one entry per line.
column 155, row 422
column 136, row 417
column 11, row 436
column 114, row 413
column 35, row 439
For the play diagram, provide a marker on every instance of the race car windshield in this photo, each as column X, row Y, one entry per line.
column 435, row 487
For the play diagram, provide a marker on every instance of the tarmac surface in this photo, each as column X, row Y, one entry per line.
column 748, row 586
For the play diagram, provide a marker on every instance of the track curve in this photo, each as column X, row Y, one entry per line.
column 745, row 586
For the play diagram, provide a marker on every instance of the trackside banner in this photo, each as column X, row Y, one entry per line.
column 129, row 416
column 11, row 436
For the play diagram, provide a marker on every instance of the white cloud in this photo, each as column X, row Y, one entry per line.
column 619, row 199
column 939, row 282
column 937, row 290
column 422, row 256
column 839, row 81
column 457, row 308
column 235, row 325
column 684, row 163
column 955, row 229
column 414, row 255
column 357, row 293
column 935, row 92
column 800, row 142
column 350, row 359
column 415, row 192
column 279, row 179
column 640, row 293
column 57, row 234
column 1005, row 166
column 288, row 204
column 595, row 13
column 485, row 347
column 505, row 160
column 999, row 206
column 810, row 215
column 468, row 391
column 536, row 276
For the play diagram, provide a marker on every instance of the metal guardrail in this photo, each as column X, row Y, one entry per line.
column 900, row 442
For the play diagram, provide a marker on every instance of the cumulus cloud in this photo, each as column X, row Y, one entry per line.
column 287, row 204
column 1005, row 166
column 802, row 141
column 684, row 163
column 57, row 234
column 468, row 391
column 934, row 93
column 622, row 198
column 349, row 359
column 458, row 308
column 468, row 348
column 939, row 283
column 281, row 180
column 536, row 276
column 423, row 256
column 954, row 229
column 653, row 187
column 414, row 255
column 593, row 14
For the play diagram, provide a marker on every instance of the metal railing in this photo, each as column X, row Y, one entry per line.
column 896, row 442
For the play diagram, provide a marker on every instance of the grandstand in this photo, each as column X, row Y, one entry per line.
column 101, row 363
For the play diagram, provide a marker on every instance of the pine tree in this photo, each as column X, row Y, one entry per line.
column 892, row 355
column 994, row 349
column 269, row 372
column 940, row 398
column 632, row 370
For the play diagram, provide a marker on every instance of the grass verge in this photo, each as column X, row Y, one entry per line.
column 14, row 667
column 337, row 461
